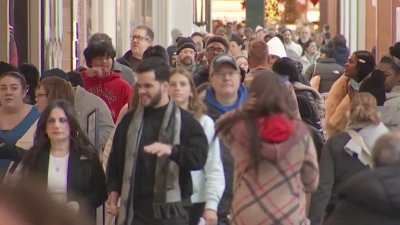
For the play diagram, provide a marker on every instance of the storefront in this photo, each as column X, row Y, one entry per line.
column 54, row 33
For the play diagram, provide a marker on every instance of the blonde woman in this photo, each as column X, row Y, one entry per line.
column 347, row 153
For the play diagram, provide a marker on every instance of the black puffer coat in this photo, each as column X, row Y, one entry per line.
column 369, row 198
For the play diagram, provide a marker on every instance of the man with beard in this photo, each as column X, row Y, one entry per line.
column 305, row 36
column 154, row 149
column 290, row 45
column 186, row 54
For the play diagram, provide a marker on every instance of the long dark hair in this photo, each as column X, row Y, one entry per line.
column 365, row 64
column 79, row 142
column 272, row 97
column 286, row 67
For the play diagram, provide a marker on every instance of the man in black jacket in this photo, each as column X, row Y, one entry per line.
column 154, row 149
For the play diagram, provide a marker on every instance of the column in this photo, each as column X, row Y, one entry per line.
column 370, row 24
column 108, row 18
column 67, row 36
column 384, row 27
column 255, row 13
column 160, row 22
column 349, row 23
column 4, row 32
column 361, row 42
column 35, row 34
column 181, row 17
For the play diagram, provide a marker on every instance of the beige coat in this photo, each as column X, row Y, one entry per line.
column 336, row 106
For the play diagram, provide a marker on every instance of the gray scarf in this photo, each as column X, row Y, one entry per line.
column 191, row 68
column 166, row 192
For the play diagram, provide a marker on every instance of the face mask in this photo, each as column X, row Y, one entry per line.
column 354, row 85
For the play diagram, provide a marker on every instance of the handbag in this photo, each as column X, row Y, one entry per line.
column 315, row 79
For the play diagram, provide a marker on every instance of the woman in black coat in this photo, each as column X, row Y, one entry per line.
column 343, row 156
column 63, row 158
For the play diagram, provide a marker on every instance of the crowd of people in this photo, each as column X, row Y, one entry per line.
column 238, row 127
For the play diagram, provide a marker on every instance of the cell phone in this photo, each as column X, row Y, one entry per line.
column 354, row 84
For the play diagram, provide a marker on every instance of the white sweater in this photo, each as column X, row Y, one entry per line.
column 209, row 183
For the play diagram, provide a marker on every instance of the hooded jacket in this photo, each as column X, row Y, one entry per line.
column 369, row 198
column 340, row 54
column 114, row 91
column 288, row 167
column 328, row 70
column 390, row 111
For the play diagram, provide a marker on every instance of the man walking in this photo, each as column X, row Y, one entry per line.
column 154, row 149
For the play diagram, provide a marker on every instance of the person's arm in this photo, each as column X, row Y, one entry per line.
column 98, row 188
column 91, row 72
column 10, row 151
column 309, row 72
column 113, row 203
column 116, row 159
column 191, row 154
column 214, row 172
column 321, row 198
column 106, row 123
column 309, row 169
column 107, row 147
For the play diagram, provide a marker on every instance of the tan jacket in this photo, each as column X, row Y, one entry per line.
column 336, row 106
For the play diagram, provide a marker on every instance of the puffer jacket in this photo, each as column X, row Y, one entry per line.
column 369, row 198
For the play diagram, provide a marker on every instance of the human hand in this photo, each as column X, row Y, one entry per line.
column 158, row 149
column 111, row 208
column 73, row 205
column 94, row 72
column 210, row 216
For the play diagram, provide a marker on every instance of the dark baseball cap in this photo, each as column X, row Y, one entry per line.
column 220, row 60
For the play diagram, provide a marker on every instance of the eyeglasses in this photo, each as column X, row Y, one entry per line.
column 138, row 37
column 217, row 50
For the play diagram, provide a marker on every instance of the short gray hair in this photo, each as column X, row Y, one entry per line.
column 386, row 151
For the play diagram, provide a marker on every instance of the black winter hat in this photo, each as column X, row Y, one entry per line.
column 185, row 42
column 56, row 72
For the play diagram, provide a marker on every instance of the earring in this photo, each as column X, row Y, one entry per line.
column 73, row 135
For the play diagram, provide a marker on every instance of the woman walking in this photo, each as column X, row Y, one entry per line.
column 275, row 158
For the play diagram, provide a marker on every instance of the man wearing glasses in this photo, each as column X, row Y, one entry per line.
column 216, row 45
column 141, row 38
